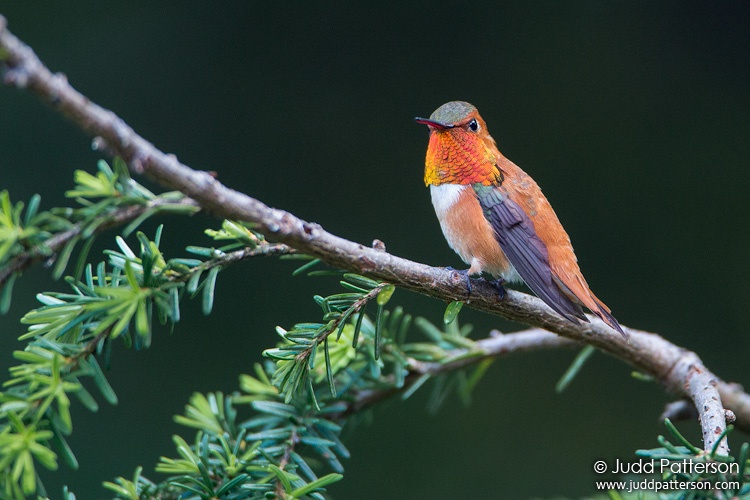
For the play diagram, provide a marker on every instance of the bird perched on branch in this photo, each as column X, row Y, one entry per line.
column 496, row 218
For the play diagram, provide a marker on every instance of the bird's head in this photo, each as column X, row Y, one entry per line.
column 461, row 150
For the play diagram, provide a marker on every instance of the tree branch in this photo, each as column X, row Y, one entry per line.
column 680, row 371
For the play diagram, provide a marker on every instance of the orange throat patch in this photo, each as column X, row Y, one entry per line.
column 456, row 158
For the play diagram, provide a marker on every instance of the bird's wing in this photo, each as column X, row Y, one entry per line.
column 524, row 249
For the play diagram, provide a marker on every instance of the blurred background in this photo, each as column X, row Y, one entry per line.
column 634, row 117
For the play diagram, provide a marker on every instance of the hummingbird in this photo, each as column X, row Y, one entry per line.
column 496, row 218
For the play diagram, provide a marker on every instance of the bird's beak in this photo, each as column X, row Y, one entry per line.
column 433, row 123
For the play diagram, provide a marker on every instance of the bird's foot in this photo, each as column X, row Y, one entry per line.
column 498, row 285
column 465, row 274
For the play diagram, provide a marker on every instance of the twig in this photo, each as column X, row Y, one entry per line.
column 498, row 344
column 89, row 348
column 288, row 450
column 54, row 244
column 679, row 410
column 263, row 249
column 701, row 385
column 673, row 366
column 494, row 346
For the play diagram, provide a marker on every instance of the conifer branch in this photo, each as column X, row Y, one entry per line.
column 284, row 461
column 263, row 249
column 89, row 348
column 52, row 246
column 680, row 371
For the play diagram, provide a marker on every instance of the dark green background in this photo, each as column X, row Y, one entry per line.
column 632, row 116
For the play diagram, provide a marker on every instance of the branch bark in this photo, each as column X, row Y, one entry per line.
column 680, row 371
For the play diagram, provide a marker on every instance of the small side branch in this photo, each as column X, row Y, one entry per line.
column 494, row 346
column 51, row 247
column 701, row 386
column 264, row 249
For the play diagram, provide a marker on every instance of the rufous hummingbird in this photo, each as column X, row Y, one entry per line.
column 496, row 218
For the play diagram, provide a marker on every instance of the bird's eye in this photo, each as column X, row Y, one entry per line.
column 473, row 125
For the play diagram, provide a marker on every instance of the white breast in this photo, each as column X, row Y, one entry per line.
column 444, row 197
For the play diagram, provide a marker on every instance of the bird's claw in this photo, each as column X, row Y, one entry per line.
column 465, row 274
column 498, row 285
